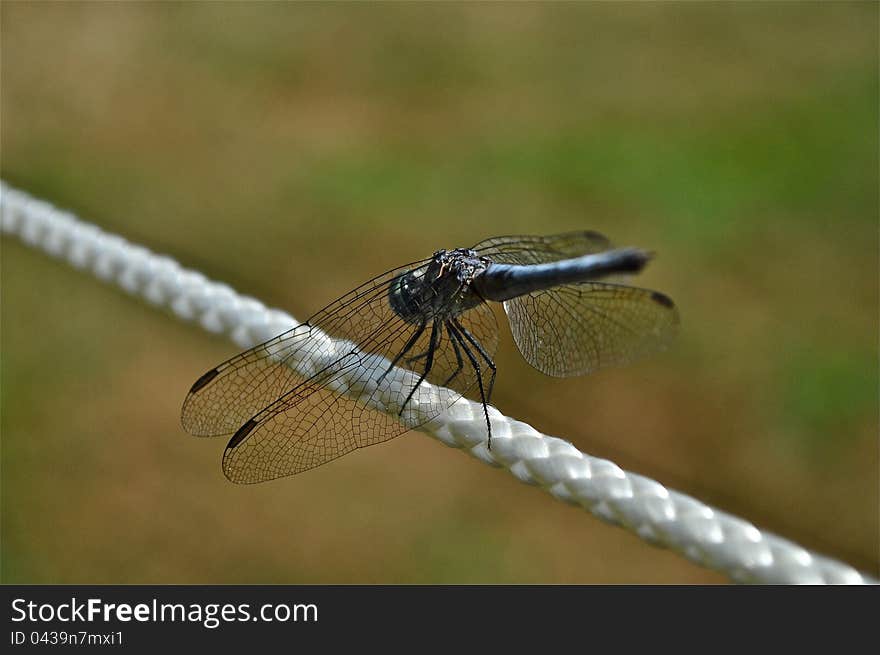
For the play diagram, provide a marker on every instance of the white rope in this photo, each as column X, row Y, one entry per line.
column 660, row 516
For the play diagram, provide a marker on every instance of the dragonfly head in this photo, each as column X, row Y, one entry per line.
column 438, row 289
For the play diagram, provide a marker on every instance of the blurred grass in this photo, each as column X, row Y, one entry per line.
column 295, row 150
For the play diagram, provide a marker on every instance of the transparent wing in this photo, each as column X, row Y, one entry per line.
column 303, row 398
column 541, row 249
column 575, row 329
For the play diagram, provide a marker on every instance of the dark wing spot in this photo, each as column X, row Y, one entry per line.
column 595, row 236
column 662, row 299
column 204, row 380
column 240, row 435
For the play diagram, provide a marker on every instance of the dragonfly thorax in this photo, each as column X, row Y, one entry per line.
column 440, row 289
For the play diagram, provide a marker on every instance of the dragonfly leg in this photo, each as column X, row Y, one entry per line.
column 415, row 358
column 429, row 363
column 467, row 335
column 455, row 335
column 409, row 344
column 459, row 361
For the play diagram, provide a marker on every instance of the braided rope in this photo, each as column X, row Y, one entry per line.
column 662, row 517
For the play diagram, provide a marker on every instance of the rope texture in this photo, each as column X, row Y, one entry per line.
column 660, row 516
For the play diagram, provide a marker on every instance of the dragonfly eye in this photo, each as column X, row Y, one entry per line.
column 404, row 296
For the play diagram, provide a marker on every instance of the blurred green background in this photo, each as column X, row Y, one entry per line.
column 293, row 151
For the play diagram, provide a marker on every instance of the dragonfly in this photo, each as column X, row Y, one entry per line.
column 394, row 353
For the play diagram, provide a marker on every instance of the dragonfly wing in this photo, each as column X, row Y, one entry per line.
column 316, row 423
column 351, row 405
column 226, row 396
column 579, row 328
column 346, row 379
column 542, row 249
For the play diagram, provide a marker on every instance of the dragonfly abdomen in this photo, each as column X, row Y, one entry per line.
column 500, row 282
